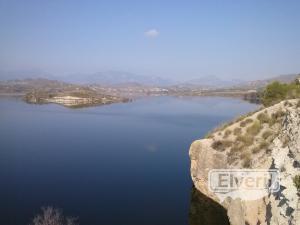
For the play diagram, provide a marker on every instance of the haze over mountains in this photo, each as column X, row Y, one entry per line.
column 117, row 78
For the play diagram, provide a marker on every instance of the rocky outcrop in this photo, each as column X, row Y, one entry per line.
column 274, row 135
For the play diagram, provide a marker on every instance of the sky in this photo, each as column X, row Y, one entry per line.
column 238, row 39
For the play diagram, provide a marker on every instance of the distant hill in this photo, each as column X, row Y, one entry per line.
column 103, row 78
column 210, row 82
column 24, row 74
column 257, row 84
column 116, row 78
column 26, row 85
column 123, row 79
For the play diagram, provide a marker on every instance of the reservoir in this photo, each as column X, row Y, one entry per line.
column 119, row 164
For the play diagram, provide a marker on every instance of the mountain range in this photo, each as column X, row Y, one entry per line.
column 117, row 78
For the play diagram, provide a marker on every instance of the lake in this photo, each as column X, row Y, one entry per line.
column 120, row 164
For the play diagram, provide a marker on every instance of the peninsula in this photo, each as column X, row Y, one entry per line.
column 266, row 139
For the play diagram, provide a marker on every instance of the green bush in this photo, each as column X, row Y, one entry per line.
column 297, row 182
column 276, row 92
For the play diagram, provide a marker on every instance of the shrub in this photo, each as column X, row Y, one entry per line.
column 227, row 133
column 282, row 168
column 255, row 150
column 209, row 135
column 277, row 117
column 52, row 216
column 245, row 139
column 263, row 118
column 273, row 93
column 264, row 144
column 246, row 157
column 246, row 122
column 249, row 120
column 276, row 92
column 237, row 148
column 243, row 124
column 221, row 145
column 232, row 157
column 296, row 180
column 267, row 134
column 255, row 128
column 237, row 131
column 285, row 140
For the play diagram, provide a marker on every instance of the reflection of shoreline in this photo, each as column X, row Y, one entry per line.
column 204, row 211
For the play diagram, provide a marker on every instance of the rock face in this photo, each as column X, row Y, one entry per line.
column 282, row 153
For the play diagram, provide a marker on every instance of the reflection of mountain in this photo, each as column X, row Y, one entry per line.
column 204, row 211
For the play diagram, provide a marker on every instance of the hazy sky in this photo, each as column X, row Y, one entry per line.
column 175, row 39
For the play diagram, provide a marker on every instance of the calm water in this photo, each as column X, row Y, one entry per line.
column 122, row 164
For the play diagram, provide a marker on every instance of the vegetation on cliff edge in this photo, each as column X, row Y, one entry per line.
column 276, row 92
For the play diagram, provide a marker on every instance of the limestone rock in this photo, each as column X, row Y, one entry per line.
column 283, row 153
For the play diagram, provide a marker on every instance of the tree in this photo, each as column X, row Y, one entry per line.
column 274, row 92
column 52, row 216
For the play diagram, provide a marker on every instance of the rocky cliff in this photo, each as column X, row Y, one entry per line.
column 266, row 139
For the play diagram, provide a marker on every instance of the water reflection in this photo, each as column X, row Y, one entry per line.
column 204, row 211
